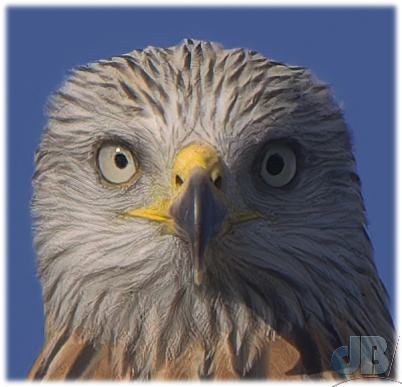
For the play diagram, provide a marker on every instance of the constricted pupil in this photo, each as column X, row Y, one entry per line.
column 275, row 164
column 120, row 160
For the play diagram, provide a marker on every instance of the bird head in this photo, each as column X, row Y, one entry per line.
column 193, row 193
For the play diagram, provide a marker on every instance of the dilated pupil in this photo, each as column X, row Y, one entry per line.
column 120, row 160
column 275, row 164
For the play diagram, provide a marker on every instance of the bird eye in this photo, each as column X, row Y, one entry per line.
column 279, row 165
column 116, row 163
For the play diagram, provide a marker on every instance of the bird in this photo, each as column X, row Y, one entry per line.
column 198, row 215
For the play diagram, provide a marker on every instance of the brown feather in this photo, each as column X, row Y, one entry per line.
column 186, row 367
column 282, row 358
column 65, row 358
column 47, row 352
column 119, row 363
column 225, row 361
column 99, row 367
column 77, row 358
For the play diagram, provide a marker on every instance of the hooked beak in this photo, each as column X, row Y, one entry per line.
column 198, row 212
column 198, row 206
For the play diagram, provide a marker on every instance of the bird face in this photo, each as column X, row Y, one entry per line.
column 195, row 194
column 198, row 206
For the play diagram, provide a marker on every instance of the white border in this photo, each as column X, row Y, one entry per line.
column 3, row 267
column 196, row 3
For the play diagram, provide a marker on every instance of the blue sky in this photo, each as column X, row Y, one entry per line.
column 352, row 49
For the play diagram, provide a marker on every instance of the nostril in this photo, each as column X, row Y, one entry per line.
column 179, row 181
column 218, row 182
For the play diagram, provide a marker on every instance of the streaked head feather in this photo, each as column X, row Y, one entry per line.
column 305, row 270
